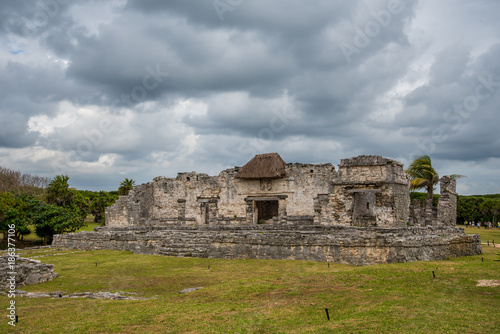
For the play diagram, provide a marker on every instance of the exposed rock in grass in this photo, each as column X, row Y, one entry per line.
column 91, row 295
column 190, row 289
column 488, row 282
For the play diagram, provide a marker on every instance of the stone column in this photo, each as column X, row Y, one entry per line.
column 255, row 210
column 181, row 216
column 447, row 207
column 428, row 214
column 416, row 213
column 249, row 210
column 282, row 208
column 213, row 210
column 318, row 208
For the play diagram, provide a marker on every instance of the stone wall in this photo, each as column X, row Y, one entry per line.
column 445, row 214
column 368, row 191
column 195, row 198
column 27, row 271
column 352, row 245
column 447, row 206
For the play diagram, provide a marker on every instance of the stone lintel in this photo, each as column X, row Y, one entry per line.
column 262, row 199
column 365, row 190
column 208, row 199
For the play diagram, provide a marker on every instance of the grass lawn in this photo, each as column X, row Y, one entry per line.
column 262, row 296
column 486, row 235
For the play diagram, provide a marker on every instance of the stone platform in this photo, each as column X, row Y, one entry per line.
column 341, row 244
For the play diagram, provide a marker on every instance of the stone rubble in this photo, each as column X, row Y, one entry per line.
column 27, row 272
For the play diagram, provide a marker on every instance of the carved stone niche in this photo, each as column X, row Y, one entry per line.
column 266, row 184
column 365, row 201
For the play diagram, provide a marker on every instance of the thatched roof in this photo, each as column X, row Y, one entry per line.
column 269, row 165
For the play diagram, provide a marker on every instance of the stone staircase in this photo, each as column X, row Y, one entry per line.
column 186, row 246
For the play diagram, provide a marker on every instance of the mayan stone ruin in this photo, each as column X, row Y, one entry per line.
column 27, row 272
column 358, row 214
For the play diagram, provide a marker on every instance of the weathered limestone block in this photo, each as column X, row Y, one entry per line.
column 27, row 272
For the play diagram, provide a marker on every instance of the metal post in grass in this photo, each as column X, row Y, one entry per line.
column 433, row 275
column 327, row 315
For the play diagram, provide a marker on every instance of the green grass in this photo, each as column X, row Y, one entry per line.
column 263, row 296
column 486, row 235
column 89, row 227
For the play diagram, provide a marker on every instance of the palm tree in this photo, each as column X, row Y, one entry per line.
column 58, row 191
column 125, row 186
column 423, row 175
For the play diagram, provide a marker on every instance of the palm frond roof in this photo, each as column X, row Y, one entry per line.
column 262, row 166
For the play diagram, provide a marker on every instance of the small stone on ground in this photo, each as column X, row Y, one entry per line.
column 191, row 289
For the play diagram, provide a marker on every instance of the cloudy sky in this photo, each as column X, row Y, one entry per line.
column 104, row 90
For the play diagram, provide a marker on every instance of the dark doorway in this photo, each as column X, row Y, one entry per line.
column 364, row 205
column 267, row 209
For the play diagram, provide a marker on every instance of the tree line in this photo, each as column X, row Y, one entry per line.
column 50, row 206
column 483, row 208
column 15, row 181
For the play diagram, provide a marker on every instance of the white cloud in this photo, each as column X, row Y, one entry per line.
column 46, row 125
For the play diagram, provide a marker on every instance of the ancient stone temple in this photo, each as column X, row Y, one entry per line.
column 358, row 214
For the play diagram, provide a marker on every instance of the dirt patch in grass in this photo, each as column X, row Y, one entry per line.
column 488, row 282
